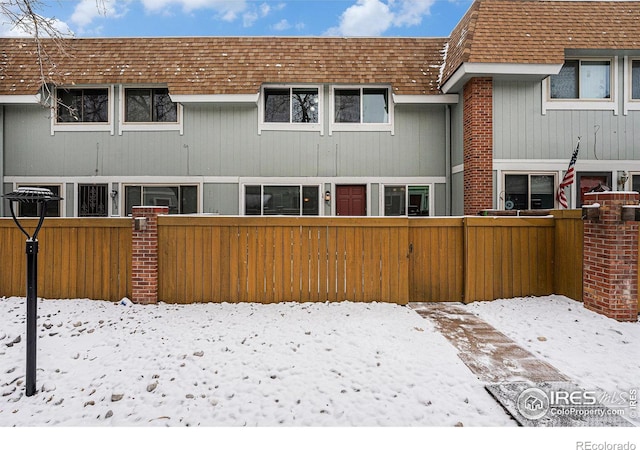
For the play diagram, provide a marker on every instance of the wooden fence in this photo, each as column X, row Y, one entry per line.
column 78, row 258
column 211, row 258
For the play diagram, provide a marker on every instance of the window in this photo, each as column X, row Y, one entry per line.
column 362, row 105
column 149, row 105
column 32, row 209
column 582, row 79
column 635, row 80
column 356, row 108
column 93, row 200
column 179, row 199
column 529, row 191
column 291, row 105
column 398, row 203
column 281, row 200
column 592, row 182
column 291, row 108
column 82, row 105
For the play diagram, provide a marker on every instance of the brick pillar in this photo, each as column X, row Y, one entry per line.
column 478, row 145
column 144, row 264
column 610, row 261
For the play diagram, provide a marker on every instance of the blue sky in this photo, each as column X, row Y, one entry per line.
column 107, row 18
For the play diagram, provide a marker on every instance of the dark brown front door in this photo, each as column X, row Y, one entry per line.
column 351, row 200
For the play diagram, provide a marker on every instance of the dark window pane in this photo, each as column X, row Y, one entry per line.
column 276, row 105
column 375, row 106
column 310, row 204
column 93, row 200
column 635, row 80
column 635, row 183
column 188, row 199
column 516, row 189
column 565, row 84
column 69, row 105
column 542, row 191
column 164, row 110
column 33, row 209
column 252, row 203
column 281, row 200
column 161, row 196
column 305, row 105
column 138, row 105
column 95, row 103
column 132, row 197
column 347, row 105
column 418, row 200
column 394, row 200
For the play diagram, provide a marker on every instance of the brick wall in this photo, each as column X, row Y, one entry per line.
column 610, row 261
column 478, row 145
column 144, row 253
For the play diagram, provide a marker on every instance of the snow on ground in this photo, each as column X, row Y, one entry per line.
column 307, row 364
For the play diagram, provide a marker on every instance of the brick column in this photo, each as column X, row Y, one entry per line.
column 478, row 145
column 610, row 260
column 144, row 264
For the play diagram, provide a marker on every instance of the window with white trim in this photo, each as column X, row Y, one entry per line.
column 291, row 200
column 583, row 84
column 361, row 108
column 290, row 108
column 181, row 199
column 582, row 79
column 32, row 209
column 529, row 191
column 93, row 200
column 87, row 108
column 407, row 200
column 149, row 105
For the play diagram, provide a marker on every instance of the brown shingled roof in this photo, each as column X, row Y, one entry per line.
column 539, row 31
column 226, row 65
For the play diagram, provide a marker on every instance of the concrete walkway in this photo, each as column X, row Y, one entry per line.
column 489, row 354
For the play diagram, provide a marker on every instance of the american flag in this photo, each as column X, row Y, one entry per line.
column 568, row 178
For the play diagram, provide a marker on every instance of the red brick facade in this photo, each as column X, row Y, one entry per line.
column 610, row 261
column 144, row 252
column 478, row 145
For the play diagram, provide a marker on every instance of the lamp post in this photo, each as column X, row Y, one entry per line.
column 40, row 197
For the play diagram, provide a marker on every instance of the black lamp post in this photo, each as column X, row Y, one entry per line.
column 40, row 197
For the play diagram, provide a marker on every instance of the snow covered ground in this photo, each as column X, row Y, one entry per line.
column 103, row 364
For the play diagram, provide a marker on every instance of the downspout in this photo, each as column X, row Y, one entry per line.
column 448, row 156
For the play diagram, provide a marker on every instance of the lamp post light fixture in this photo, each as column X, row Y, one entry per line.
column 39, row 196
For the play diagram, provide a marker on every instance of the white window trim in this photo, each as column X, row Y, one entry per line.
column 291, row 126
column 630, row 104
column 85, row 126
column 406, row 186
column 262, row 184
column 146, row 126
column 610, row 104
column 334, row 126
column 502, row 193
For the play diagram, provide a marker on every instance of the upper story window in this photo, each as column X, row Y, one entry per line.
column 88, row 108
column 291, row 108
column 583, row 84
column 149, row 105
column 635, row 79
column 359, row 108
column 582, row 79
column 148, row 108
column 82, row 105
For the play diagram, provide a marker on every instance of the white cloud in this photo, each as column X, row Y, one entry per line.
column 374, row 17
column 227, row 10
column 9, row 29
column 282, row 25
column 88, row 10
